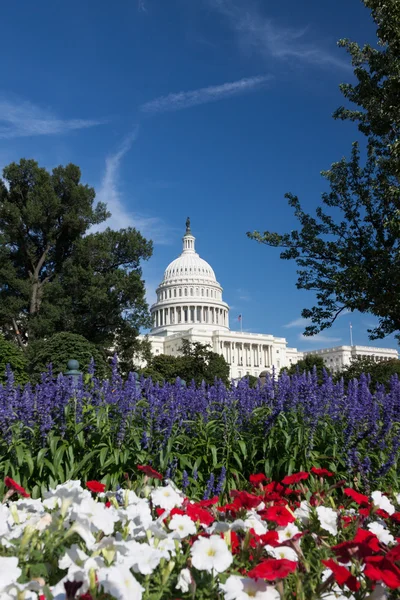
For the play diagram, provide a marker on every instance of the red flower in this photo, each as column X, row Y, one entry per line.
column 257, row 478
column 382, row 513
column 321, row 472
column 13, row 485
column 378, row 568
column 342, row 575
column 394, row 553
column 357, row 497
column 95, row 486
column 274, row 488
column 271, row 538
column 245, row 500
column 364, row 544
column 279, row 514
column 150, row 472
column 295, row 478
column 395, row 517
column 210, row 502
column 197, row 513
column 273, row 568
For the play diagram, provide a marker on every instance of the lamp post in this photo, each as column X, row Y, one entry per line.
column 73, row 371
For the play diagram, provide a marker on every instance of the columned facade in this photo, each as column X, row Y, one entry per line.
column 190, row 306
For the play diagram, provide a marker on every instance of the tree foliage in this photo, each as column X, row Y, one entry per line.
column 13, row 356
column 58, row 349
column 197, row 362
column 353, row 262
column 55, row 274
column 378, row 372
column 307, row 364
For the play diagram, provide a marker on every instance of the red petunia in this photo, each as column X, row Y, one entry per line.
column 271, row 538
column 272, row 568
column 295, row 478
column 13, row 485
column 394, row 553
column 358, row 498
column 378, row 568
column 210, row 502
column 150, row 472
column 321, row 472
column 95, row 486
column 279, row 515
column 342, row 575
column 245, row 500
column 257, row 478
column 395, row 517
column 365, row 543
column 197, row 513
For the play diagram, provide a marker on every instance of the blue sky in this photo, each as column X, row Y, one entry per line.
column 211, row 109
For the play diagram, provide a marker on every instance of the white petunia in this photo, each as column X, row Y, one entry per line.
column 97, row 514
column 182, row 525
column 303, row 512
column 120, row 583
column 211, row 554
column 73, row 555
column 184, row 581
column 253, row 521
column 241, row 588
column 381, row 533
column 383, row 502
column 328, row 519
column 287, row 533
column 9, row 571
column 282, row 552
column 166, row 497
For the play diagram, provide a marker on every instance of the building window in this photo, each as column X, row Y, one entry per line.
column 197, row 291
column 175, row 293
column 185, row 291
column 207, row 292
column 180, row 291
column 191, row 291
column 202, row 291
column 169, row 293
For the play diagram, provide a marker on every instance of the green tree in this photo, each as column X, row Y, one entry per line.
column 353, row 261
column 13, row 356
column 59, row 349
column 307, row 364
column 379, row 372
column 57, row 276
column 197, row 362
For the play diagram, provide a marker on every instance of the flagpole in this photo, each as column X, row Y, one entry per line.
column 351, row 334
column 241, row 323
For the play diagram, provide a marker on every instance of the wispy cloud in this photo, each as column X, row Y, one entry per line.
column 319, row 338
column 300, row 322
column 243, row 295
column 121, row 216
column 142, row 7
column 22, row 119
column 260, row 34
column 213, row 93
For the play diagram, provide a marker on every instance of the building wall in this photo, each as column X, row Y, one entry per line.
column 341, row 356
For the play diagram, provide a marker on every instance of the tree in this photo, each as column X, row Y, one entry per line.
column 57, row 276
column 353, row 263
column 59, row 349
column 379, row 372
column 197, row 362
column 307, row 364
column 13, row 356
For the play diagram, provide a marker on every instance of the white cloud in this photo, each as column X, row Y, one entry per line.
column 150, row 227
column 243, row 295
column 22, row 119
column 319, row 338
column 300, row 322
column 213, row 93
column 260, row 34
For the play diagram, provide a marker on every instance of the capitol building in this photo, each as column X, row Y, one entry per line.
column 190, row 306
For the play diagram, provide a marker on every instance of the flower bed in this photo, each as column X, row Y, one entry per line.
column 210, row 437
column 305, row 537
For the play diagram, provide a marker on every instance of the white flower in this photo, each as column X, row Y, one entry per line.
column 182, row 525
column 146, row 559
column 398, row 498
column 241, row 588
column 288, row 532
column 166, row 497
column 211, row 554
column 184, row 581
column 328, row 519
column 383, row 502
column 74, row 555
column 9, row 571
column 253, row 521
column 282, row 552
column 381, row 533
column 303, row 512
column 120, row 583
column 96, row 513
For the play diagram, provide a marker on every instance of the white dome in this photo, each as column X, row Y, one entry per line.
column 189, row 266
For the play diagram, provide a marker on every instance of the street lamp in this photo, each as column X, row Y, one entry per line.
column 73, row 371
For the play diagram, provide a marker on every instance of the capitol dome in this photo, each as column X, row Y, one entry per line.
column 189, row 294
